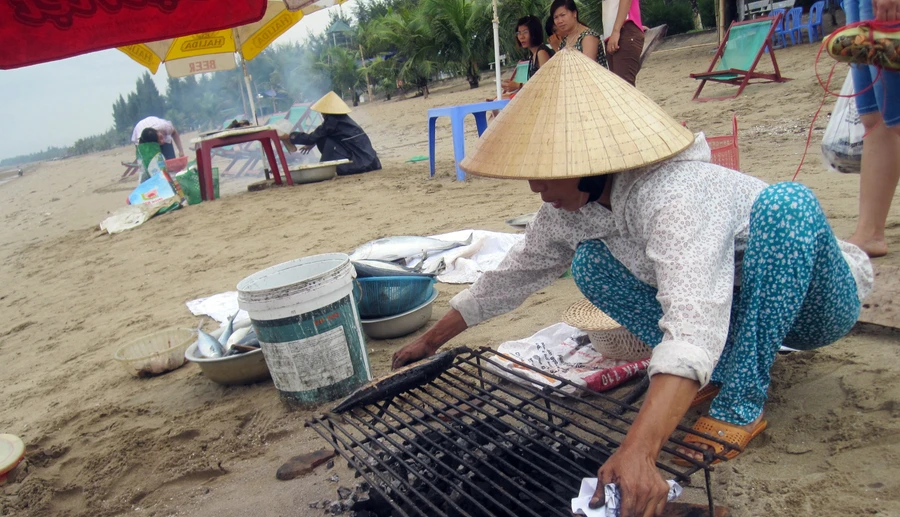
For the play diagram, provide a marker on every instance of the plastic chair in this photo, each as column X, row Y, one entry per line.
column 738, row 55
column 792, row 25
column 457, row 114
column 813, row 24
column 778, row 36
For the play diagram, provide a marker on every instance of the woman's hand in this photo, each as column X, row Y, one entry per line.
column 306, row 149
column 415, row 351
column 886, row 10
column 641, row 486
column 510, row 85
column 612, row 44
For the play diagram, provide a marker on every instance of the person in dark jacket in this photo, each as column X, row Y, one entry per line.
column 338, row 137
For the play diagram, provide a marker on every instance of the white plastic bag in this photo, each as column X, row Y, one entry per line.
column 842, row 145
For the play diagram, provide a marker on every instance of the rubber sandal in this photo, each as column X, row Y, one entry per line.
column 705, row 394
column 724, row 431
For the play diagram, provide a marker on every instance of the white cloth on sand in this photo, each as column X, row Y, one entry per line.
column 465, row 264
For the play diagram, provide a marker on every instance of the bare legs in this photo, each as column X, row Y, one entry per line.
column 877, row 183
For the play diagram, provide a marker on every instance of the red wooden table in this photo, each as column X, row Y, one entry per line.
column 266, row 138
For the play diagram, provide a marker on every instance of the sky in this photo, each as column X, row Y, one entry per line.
column 54, row 104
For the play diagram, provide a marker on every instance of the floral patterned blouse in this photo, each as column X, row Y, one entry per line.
column 655, row 209
column 601, row 52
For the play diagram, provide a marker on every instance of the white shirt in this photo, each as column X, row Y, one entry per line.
column 680, row 226
column 161, row 125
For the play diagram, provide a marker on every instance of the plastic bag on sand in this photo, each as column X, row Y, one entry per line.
column 130, row 216
column 842, row 144
column 563, row 351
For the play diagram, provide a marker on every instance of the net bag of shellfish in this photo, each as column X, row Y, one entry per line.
column 842, row 144
column 867, row 43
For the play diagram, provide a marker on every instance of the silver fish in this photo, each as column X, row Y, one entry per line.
column 236, row 337
column 229, row 329
column 208, row 345
column 373, row 268
column 401, row 247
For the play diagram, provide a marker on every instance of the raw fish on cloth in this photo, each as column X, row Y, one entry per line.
column 564, row 351
column 466, row 263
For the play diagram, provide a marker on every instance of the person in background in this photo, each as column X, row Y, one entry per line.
column 167, row 135
column 338, row 138
column 530, row 36
column 623, row 33
column 879, row 111
column 574, row 33
column 552, row 38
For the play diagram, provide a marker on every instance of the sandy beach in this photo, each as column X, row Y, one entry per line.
column 103, row 443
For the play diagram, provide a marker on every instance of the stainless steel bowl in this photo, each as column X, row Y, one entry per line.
column 401, row 324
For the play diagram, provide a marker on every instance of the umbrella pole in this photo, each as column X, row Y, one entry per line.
column 497, row 48
column 237, row 43
column 249, row 91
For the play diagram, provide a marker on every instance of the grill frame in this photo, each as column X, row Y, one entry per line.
column 394, row 443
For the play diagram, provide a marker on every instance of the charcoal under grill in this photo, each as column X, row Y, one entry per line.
column 451, row 438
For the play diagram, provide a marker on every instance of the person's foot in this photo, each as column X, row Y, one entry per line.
column 874, row 247
column 699, row 456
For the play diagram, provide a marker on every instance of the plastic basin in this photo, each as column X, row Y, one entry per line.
column 176, row 165
column 245, row 368
column 401, row 324
column 314, row 172
column 156, row 353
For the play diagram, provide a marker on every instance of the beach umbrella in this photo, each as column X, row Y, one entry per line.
column 212, row 51
column 38, row 31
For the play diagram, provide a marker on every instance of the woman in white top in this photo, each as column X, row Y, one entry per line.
column 710, row 267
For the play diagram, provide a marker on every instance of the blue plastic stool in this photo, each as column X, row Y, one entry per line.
column 457, row 115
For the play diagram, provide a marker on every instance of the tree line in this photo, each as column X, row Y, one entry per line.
column 378, row 47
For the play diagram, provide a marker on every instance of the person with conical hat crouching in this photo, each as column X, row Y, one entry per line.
column 339, row 137
column 712, row 269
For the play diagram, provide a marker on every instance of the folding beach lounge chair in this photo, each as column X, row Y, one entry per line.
column 130, row 168
column 736, row 59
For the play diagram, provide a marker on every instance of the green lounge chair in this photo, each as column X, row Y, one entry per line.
column 738, row 55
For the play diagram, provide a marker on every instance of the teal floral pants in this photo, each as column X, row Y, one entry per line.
column 796, row 289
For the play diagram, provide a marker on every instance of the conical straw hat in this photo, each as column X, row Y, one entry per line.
column 586, row 316
column 575, row 118
column 331, row 104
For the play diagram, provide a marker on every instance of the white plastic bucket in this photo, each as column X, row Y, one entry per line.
column 308, row 326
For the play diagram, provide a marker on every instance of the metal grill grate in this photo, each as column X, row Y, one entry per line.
column 451, row 438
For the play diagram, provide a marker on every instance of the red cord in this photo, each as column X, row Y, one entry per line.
column 872, row 26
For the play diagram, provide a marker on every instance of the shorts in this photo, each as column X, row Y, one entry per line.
column 884, row 95
column 168, row 151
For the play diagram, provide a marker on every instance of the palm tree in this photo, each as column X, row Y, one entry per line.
column 408, row 33
column 343, row 67
column 455, row 25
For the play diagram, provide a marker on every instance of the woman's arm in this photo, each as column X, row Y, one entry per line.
column 633, row 466
column 612, row 44
column 177, row 139
column 450, row 326
column 543, row 56
column 590, row 47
